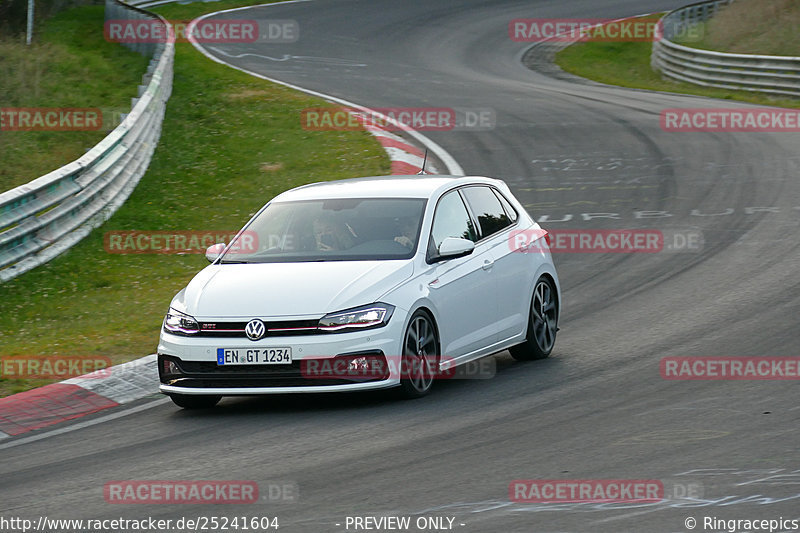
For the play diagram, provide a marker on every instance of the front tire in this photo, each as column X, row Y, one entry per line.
column 542, row 324
column 420, row 362
column 192, row 401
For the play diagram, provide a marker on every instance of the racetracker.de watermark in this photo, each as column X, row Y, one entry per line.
column 176, row 242
column 641, row 29
column 389, row 118
column 378, row 366
column 206, row 31
column 198, row 492
column 730, row 120
column 397, row 118
column 585, row 490
column 54, row 367
column 50, row 119
column 730, row 368
column 620, row 241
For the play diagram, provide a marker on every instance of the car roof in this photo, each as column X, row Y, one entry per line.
column 414, row 186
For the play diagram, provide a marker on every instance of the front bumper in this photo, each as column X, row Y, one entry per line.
column 194, row 370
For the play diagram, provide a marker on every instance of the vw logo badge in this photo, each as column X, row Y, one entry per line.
column 255, row 329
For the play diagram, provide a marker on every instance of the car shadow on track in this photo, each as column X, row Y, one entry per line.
column 508, row 375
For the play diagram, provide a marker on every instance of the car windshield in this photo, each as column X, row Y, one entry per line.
column 351, row 229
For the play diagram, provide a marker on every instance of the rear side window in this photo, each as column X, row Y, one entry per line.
column 451, row 220
column 487, row 209
column 512, row 214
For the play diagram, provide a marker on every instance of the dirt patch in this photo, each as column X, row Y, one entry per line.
column 271, row 167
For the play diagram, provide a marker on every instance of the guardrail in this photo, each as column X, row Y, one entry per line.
column 144, row 4
column 50, row 214
column 759, row 73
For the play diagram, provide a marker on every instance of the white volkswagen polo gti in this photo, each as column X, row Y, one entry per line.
column 362, row 284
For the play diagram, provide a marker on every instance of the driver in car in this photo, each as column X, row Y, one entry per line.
column 408, row 233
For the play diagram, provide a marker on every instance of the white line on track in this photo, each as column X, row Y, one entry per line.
column 287, row 57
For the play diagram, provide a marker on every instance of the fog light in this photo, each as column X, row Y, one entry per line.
column 168, row 366
column 359, row 364
column 363, row 366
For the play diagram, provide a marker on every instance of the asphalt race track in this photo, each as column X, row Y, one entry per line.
column 583, row 156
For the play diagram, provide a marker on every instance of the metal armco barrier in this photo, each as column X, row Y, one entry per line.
column 50, row 214
column 766, row 74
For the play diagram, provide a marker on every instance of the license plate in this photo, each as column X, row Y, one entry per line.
column 254, row 356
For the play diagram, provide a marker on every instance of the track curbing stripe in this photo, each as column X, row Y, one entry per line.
column 402, row 168
column 125, row 383
column 48, row 405
column 78, row 397
column 407, row 148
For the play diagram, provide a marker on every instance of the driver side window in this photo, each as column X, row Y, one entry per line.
column 451, row 220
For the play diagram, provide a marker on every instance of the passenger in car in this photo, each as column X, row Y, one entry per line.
column 332, row 235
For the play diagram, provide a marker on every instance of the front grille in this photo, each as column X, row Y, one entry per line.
column 210, row 367
column 275, row 328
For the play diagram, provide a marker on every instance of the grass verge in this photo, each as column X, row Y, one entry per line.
column 627, row 64
column 65, row 67
column 768, row 27
column 229, row 143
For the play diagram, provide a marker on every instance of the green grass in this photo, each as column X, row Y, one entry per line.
column 176, row 12
column 627, row 64
column 768, row 27
column 66, row 66
column 230, row 142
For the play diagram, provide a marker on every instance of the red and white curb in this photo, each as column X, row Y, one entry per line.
column 406, row 158
column 77, row 397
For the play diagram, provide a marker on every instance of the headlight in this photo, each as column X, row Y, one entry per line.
column 180, row 323
column 368, row 316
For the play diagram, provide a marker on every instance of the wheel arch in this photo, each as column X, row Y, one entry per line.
column 547, row 271
column 432, row 316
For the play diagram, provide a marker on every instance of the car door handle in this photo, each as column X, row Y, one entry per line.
column 487, row 264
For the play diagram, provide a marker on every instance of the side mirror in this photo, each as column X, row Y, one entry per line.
column 453, row 247
column 213, row 251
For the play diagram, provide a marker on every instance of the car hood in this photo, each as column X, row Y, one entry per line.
column 288, row 289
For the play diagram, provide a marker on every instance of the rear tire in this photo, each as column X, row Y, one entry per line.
column 420, row 362
column 192, row 401
column 542, row 324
